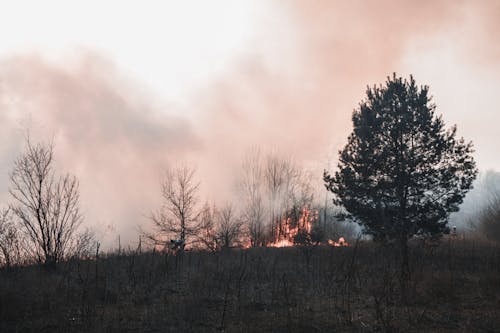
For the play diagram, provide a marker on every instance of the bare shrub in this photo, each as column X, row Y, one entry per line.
column 85, row 244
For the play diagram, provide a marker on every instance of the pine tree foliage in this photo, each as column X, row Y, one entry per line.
column 402, row 172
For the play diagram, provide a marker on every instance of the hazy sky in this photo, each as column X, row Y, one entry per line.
column 123, row 88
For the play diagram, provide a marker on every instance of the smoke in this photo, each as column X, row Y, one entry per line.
column 486, row 190
column 297, row 88
column 292, row 91
column 105, row 129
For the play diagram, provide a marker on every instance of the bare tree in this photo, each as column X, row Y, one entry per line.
column 253, row 217
column 47, row 206
column 277, row 172
column 273, row 186
column 251, row 186
column 228, row 228
column 9, row 242
column 219, row 228
column 179, row 214
column 301, row 191
column 488, row 219
column 206, row 235
column 289, row 191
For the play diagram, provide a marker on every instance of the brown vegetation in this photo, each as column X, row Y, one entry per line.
column 454, row 287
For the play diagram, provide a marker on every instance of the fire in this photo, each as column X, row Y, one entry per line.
column 291, row 231
column 340, row 243
column 282, row 243
column 286, row 234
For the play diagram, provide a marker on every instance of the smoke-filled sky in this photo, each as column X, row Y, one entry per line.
column 125, row 88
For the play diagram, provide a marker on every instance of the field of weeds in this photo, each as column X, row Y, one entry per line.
column 454, row 287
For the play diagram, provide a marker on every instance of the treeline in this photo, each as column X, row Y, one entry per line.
column 276, row 201
column 400, row 176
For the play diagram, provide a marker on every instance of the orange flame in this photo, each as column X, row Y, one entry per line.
column 286, row 233
column 340, row 243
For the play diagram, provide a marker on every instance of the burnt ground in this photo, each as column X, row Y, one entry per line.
column 454, row 287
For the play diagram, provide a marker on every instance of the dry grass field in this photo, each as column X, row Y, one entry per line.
column 454, row 287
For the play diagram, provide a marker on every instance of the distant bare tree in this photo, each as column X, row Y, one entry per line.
column 219, row 228
column 9, row 241
column 272, row 186
column 206, row 235
column 488, row 218
column 47, row 207
column 253, row 218
column 480, row 211
column 301, row 193
column 179, row 214
column 228, row 228
column 251, row 188
column 278, row 172
column 289, row 190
